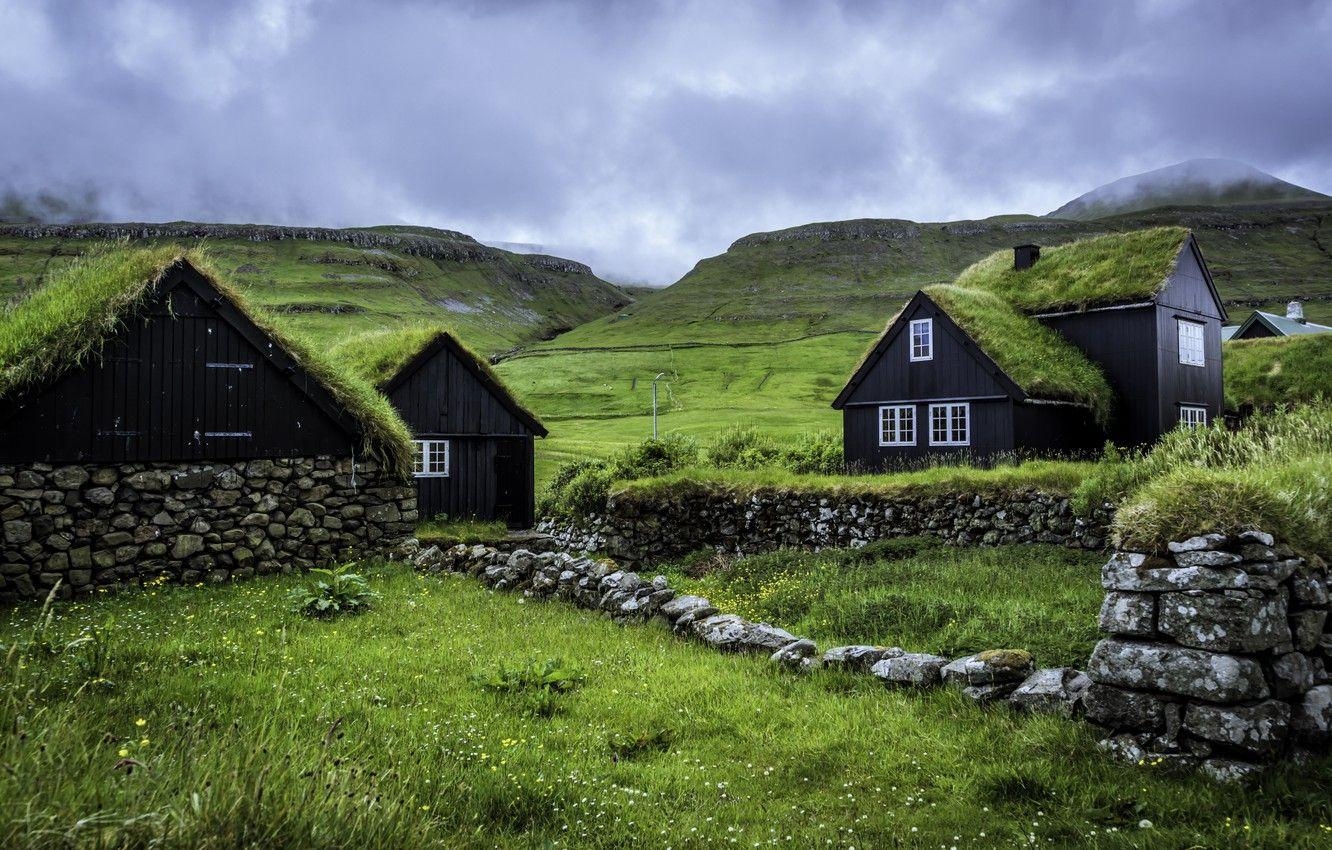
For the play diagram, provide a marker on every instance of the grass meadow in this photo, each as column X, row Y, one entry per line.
column 214, row 717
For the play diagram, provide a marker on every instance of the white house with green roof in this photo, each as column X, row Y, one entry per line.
column 1044, row 350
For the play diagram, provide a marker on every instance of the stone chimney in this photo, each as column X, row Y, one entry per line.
column 1025, row 256
column 1295, row 312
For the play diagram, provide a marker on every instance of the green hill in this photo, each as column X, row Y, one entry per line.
column 331, row 283
column 766, row 333
column 1195, row 182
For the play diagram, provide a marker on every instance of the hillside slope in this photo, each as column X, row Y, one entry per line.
column 332, row 283
column 766, row 333
column 1195, row 182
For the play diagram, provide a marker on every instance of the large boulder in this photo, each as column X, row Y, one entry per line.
column 1052, row 690
column 910, row 669
column 1210, row 676
column 1231, row 621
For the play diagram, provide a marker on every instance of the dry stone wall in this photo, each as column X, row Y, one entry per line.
column 91, row 526
column 1217, row 657
column 636, row 531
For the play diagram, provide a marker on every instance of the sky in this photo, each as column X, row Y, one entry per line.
column 644, row 136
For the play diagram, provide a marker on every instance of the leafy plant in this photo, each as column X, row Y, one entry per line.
column 741, row 447
column 815, row 453
column 535, row 686
column 336, row 591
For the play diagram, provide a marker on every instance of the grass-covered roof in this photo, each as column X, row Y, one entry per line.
column 1114, row 269
column 378, row 356
column 1037, row 358
column 64, row 323
column 1278, row 370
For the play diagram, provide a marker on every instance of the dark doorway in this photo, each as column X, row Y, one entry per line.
column 509, row 481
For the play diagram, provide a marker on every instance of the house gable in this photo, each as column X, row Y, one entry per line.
column 958, row 368
column 442, row 390
column 1190, row 286
column 186, row 376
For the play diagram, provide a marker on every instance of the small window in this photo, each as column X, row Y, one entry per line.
column 950, row 424
column 897, row 425
column 922, row 339
column 432, row 458
column 1193, row 417
column 1191, row 351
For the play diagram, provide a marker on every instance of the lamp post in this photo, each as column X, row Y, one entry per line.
column 660, row 375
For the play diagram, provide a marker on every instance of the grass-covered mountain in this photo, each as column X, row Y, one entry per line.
column 1195, row 182
column 332, row 283
column 766, row 333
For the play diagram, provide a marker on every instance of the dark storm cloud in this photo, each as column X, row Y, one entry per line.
column 654, row 132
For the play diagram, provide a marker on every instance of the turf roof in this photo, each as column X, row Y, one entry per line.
column 378, row 356
column 64, row 324
column 1115, row 269
column 1037, row 358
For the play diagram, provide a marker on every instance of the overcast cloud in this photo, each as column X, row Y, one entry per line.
column 654, row 133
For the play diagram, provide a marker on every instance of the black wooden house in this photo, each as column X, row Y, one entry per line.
column 475, row 443
column 167, row 364
column 1116, row 337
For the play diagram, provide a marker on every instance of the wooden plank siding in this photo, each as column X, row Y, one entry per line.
column 1122, row 342
column 150, row 393
column 492, row 459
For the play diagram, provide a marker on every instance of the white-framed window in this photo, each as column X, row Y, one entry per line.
column 1191, row 416
column 1191, row 346
column 897, row 425
column 922, row 339
column 950, row 424
column 432, row 458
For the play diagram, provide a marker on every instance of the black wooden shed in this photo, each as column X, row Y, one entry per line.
column 475, row 442
column 1044, row 350
column 155, row 360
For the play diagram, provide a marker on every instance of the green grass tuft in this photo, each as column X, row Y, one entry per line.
column 1274, row 474
column 1278, row 370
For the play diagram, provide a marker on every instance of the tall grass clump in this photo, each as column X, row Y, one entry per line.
column 580, row 488
column 741, row 447
column 1275, row 473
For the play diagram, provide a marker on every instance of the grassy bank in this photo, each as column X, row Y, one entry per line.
column 215, row 718
column 918, row 594
column 1274, row 474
